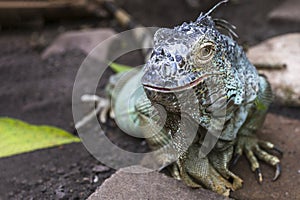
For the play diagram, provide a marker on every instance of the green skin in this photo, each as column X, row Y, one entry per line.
column 215, row 60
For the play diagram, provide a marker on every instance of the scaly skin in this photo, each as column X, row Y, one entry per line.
column 208, row 92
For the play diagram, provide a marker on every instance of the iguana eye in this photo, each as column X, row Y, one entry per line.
column 206, row 52
column 202, row 53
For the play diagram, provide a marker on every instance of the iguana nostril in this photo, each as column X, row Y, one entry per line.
column 162, row 52
column 171, row 58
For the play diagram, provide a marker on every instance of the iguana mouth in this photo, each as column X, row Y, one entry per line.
column 176, row 89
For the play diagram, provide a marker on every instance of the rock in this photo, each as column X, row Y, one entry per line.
column 100, row 168
column 287, row 11
column 84, row 40
column 279, row 51
column 203, row 4
column 60, row 193
column 130, row 183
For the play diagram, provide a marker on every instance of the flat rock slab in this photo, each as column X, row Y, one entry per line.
column 281, row 50
column 287, row 11
column 125, row 184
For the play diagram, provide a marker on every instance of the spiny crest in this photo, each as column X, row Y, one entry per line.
column 206, row 15
column 221, row 24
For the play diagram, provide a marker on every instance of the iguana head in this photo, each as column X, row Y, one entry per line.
column 185, row 56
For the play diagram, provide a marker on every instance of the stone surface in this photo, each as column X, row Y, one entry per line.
column 287, row 11
column 84, row 40
column 136, row 183
column 280, row 50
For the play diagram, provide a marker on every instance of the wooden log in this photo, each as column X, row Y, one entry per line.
column 17, row 12
column 40, row 4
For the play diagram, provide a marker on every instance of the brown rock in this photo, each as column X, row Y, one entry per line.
column 287, row 11
column 85, row 40
column 100, row 168
column 279, row 51
column 139, row 183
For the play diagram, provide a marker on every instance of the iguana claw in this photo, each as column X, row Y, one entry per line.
column 235, row 159
column 278, row 150
column 277, row 172
column 259, row 175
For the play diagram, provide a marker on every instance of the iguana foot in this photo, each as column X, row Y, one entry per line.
column 220, row 161
column 253, row 149
column 196, row 171
column 103, row 107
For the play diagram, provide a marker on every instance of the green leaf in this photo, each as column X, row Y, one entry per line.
column 19, row 137
column 119, row 68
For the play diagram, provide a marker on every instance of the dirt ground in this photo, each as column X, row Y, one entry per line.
column 39, row 92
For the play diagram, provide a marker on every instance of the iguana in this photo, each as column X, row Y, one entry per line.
column 206, row 99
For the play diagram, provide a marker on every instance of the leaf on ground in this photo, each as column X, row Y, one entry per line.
column 119, row 67
column 19, row 137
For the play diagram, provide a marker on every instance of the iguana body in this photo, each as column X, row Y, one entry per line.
column 199, row 89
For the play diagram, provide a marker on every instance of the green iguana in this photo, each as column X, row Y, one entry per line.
column 207, row 100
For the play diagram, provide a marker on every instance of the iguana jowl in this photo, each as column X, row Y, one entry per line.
column 202, row 78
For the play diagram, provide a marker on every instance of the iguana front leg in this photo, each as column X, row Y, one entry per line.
column 191, row 166
column 247, row 141
column 220, row 158
column 197, row 171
